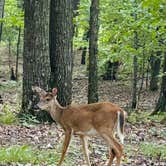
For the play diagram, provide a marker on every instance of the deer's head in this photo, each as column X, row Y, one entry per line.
column 46, row 98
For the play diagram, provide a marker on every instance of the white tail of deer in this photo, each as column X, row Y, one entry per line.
column 99, row 119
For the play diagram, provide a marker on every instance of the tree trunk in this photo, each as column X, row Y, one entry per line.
column 135, row 62
column 84, row 49
column 134, row 90
column 2, row 4
column 155, row 69
column 18, row 51
column 75, row 5
column 83, row 55
column 161, row 104
column 93, row 50
column 36, row 63
column 61, row 33
column 111, row 70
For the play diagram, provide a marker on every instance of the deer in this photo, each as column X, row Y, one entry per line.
column 96, row 119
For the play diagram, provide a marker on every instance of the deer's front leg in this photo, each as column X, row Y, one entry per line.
column 85, row 149
column 65, row 146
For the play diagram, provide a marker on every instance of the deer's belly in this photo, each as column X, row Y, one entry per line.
column 91, row 132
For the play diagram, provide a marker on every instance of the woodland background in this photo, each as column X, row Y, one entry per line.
column 107, row 50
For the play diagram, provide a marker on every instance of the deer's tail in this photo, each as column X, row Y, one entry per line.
column 120, row 125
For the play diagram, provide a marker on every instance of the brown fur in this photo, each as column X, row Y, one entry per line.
column 85, row 120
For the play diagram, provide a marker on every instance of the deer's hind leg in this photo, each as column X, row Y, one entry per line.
column 116, row 148
column 111, row 156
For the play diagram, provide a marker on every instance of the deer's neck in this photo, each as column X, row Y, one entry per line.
column 56, row 110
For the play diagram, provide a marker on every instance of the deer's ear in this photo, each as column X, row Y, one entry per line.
column 38, row 90
column 54, row 91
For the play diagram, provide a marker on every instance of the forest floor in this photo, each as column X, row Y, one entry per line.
column 27, row 142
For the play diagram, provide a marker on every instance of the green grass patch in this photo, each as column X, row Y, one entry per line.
column 7, row 116
column 25, row 154
column 28, row 120
column 153, row 150
column 145, row 117
column 7, row 85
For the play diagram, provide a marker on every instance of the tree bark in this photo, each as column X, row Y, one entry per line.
column 2, row 4
column 135, row 63
column 36, row 62
column 161, row 104
column 155, row 69
column 61, row 34
column 18, row 51
column 93, row 51
column 134, row 89
column 75, row 5
column 84, row 49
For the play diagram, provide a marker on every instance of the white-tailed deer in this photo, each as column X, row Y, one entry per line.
column 98, row 119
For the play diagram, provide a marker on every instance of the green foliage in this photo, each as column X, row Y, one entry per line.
column 26, row 154
column 6, row 115
column 117, row 27
column 16, row 154
column 12, row 21
column 145, row 117
column 13, row 15
column 28, row 120
column 8, row 85
column 153, row 150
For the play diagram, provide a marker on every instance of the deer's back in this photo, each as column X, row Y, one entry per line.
column 88, row 117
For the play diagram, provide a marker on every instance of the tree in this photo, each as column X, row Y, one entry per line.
column 155, row 69
column 61, row 34
column 36, row 63
column 161, row 104
column 93, row 47
column 2, row 4
column 135, row 62
column 84, row 48
column 18, row 51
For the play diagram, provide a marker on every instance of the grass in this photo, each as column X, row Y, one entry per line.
column 7, row 116
column 27, row 155
column 153, row 150
column 145, row 117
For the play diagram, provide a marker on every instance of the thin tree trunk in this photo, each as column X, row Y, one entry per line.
column 83, row 56
column 75, row 4
column 2, row 4
column 36, row 62
column 135, row 64
column 155, row 69
column 61, row 34
column 134, row 89
column 142, row 79
column 84, row 49
column 93, row 51
column 147, row 75
column 9, row 53
column 161, row 104
column 18, row 51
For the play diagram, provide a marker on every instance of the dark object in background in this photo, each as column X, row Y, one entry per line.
column 1, row 100
column 111, row 71
column 12, row 76
column 83, row 57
